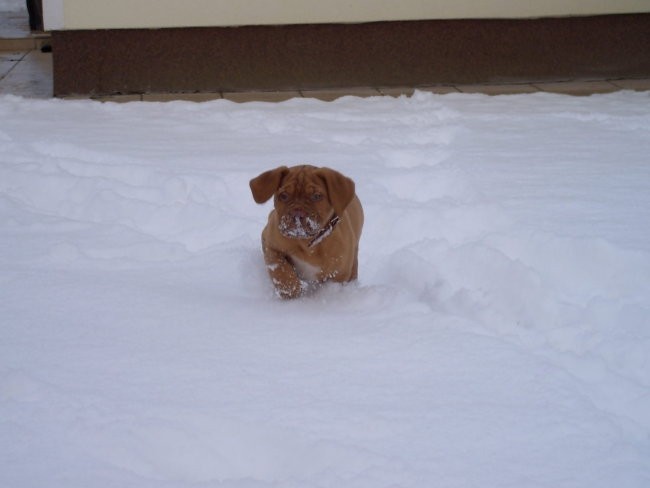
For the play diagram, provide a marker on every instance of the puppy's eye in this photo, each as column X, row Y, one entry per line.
column 316, row 197
column 283, row 197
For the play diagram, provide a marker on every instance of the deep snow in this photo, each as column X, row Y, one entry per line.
column 497, row 337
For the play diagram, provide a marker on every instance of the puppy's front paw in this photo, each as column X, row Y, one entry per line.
column 284, row 278
column 291, row 289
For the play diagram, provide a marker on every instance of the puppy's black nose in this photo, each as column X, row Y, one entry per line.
column 298, row 213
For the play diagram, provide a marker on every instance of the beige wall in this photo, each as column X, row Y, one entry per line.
column 102, row 14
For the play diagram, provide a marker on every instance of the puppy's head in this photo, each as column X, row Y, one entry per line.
column 305, row 197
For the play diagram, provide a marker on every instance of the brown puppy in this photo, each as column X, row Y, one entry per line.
column 313, row 232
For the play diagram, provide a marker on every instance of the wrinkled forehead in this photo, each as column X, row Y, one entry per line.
column 302, row 180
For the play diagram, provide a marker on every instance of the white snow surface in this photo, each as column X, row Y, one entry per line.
column 498, row 335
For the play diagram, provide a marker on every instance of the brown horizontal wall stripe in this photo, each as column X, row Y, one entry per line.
column 323, row 56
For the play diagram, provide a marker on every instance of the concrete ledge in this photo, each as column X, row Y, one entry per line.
column 566, row 88
column 26, row 44
column 326, row 56
column 578, row 88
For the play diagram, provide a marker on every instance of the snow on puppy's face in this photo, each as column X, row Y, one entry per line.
column 301, row 199
column 302, row 206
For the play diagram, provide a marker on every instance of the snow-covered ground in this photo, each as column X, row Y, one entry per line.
column 498, row 336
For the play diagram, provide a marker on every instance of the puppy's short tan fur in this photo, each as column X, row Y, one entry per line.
column 313, row 232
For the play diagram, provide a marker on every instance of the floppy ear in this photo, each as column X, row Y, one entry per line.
column 339, row 188
column 265, row 185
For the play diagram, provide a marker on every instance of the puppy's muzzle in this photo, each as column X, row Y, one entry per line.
column 297, row 223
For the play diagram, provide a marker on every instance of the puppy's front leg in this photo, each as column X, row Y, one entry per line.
column 283, row 274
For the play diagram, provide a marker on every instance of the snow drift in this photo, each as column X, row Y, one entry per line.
column 498, row 334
